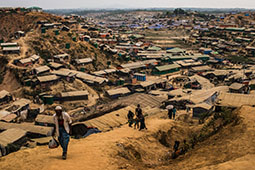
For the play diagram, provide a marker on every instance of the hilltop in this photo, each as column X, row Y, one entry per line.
column 13, row 22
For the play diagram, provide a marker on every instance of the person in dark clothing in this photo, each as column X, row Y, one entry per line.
column 130, row 118
column 176, row 145
column 170, row 113
column 142, row 123
column 139, row 115
column 176, row 151
column 185, row 147
column 174, row 113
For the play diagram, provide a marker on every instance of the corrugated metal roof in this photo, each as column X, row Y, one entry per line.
column 122, row 90
column 44, row 119
column 11, row 135
column 74, row 93
column 42, row 69
column 47, row 78
column 236, row 86
column 235, row 99
column 168, row 67
column 83, row 60
column 11, row 48
column 8, row 44
column 27, row 127
column 55, row 65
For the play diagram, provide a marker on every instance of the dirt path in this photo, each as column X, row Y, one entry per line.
column 231, row 148
column 24, row 49
column 10, row 82
column 91, row 153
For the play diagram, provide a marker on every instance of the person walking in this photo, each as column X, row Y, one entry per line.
column 130, row 118
column 139, row 114
column 174, row 113
column 62, row 123
column 170, row 112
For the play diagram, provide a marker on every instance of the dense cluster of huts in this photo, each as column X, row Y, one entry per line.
column 151, row 75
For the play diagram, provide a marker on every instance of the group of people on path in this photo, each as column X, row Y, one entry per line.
column 63, row 122
column 172, row 113
column 137, row 119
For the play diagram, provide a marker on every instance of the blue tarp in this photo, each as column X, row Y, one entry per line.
column 91, row 131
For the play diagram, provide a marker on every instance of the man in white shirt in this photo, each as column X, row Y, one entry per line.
column 62, row 128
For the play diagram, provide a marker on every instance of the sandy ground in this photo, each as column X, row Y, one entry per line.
column 10, row 82
column 230, row 149
column 91, row 153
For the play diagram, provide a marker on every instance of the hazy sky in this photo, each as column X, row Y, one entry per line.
column 51, row 4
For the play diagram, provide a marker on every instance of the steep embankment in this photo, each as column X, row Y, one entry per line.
column 231, row 148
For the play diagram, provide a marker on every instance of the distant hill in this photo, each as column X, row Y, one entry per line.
column 13, row 22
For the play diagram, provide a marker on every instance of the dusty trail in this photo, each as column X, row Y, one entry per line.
column 91, row 153
column 10, row 82
column 232, row 148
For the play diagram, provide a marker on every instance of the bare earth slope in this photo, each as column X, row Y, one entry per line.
column 125, row 148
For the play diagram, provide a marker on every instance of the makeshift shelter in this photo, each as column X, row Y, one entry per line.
column 44, row 120
column 47, row 80
column 235, row 99
column 11, row 50
column 200, row 96
column 116, row 93
column 56, row 66
column 4, row 113
column 5, row 97
column 41, row 70
column 200, row 109
column 91, row 79
column 74, row 95
column 14, row 137
column 111, row 120
column 10, row 117
column 171, row 68
column 236, row 88
column 8, row 45
column 33, row 130
column 148, row 85
column 18, row 106
column 178, row 93
column 176, row 51
column 201, row 69
column 205, row 83
column 140, row 76
column 28, row 61
column 83, row 61
column 61, row 57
